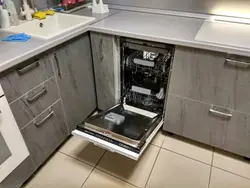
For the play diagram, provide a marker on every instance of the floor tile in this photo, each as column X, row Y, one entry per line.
column 189, row 148
column 99, row 179
column 61, row 171
column 134, row 172
column 176, row 171
column 231, row 163
column 158, row 139
column 82, row 150
column 223, row 179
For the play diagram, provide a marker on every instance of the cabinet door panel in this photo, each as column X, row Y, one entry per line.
column 203, row 76
column 207, row 76
column 46, row 133
column 74, row 72
column 34, row 102
column 238, row 134
column 25, row 76
column 192, row 119
column 104, row 58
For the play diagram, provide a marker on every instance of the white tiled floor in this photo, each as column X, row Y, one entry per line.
column 169, row 162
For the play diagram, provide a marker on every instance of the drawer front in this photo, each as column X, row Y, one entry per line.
column 211, row 77
column 238, row 134
column 208, row 124
column 202, row 75
column 26, row 76
column 46, row 133
column 193, row 119
column 34, row 102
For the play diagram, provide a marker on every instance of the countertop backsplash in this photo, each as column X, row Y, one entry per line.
column 217, row 7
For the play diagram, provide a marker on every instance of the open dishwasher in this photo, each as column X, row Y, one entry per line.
column 130, row 126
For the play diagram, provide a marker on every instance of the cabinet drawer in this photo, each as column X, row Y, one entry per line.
column 34, row 102
column 192, row 119
column 211, row 77
column 202, row 122
column 45, row 133
column 24, row 77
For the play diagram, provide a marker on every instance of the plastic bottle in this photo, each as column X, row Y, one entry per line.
column 4, row 17
column 10, row 6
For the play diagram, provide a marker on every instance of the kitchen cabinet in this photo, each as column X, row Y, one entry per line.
column 192, row 119
column 72, row 63
column 106, row 58
column 195, row 120
column 34, row 102
column 20, row 79
column 212, row 77
column 45, row 133
column 208, row 100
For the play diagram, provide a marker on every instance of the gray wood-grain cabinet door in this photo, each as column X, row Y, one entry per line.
column 211, row 77
column 34, row 102
column 238, row 134
column 105, row 50
column 194, row 120
column 43, row 135
column 72, row 62
column 25, row 76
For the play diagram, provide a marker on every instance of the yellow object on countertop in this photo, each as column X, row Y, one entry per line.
column 50, row 12
column 42, row 15
column 39, row 15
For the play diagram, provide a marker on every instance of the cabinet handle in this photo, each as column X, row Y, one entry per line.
column 44, row 119
column 236, row 63
column 57, row 64
column 219, row 113
column 35, row 97
column 28, row 68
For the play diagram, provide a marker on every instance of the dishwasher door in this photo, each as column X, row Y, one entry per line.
column 124, row 129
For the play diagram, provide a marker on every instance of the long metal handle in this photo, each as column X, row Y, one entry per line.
column 219, row 113
column 57, row 64
column 45, row 119
column 35, row 97
column 28, row 68
column 240, row 64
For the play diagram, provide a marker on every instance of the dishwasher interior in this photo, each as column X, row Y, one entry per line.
column 128, row 127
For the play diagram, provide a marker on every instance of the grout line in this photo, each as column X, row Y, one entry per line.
column 93, row 169
column 110, row 173
column 75, row 158
column 186, row 156
column 231, row 172
column 116, row 177
column 211, row 167
column 153, row 167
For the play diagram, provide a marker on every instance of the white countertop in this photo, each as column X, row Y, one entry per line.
column 172, row 29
